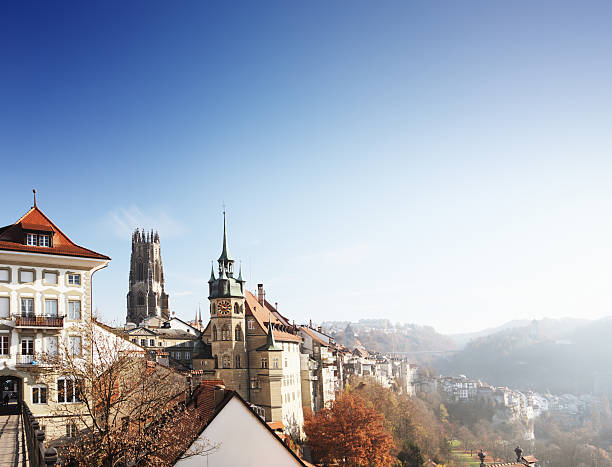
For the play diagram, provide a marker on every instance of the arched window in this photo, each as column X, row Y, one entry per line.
column 226, row 333
column 236, row 308
column 238, row 332
column 141, row 299
column 227, row 361
column 139, row 271
column 237, row 361
column 216, row 362
column 215, row 334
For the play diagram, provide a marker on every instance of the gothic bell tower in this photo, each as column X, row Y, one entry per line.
column 227, row 322
column 147, row 295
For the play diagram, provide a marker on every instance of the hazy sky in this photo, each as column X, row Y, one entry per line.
column 443, row 163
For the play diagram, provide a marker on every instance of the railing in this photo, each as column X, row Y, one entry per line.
column 40, row 321
column 24, row 359
column 38, row 455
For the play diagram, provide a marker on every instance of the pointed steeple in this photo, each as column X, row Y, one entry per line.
column 212, row 273
column 270, row 344
column 200, row 317
column 225, row 256
column 240, row 274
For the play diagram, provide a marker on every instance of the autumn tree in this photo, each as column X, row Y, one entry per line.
column 124, row 408
column 349, row 433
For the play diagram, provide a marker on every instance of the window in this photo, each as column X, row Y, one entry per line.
column 26, row 275
column 141, row 299
column 187, row 355
column 74, row 310
column 71, row 430
column 31, row 239
column 275, row 362
column 39, row 394
column 140, row 272
column 68, row 390
column 250, row 324
column 237, row 361
column 143, row 342
column 27, row 306
column 44, row 240
column 50, row 277
column 264, row 362
column 151, row 342
column 74, row 345
column 214, row 333
column 227, row 361
column 177, row 355
column 4, row 345
column 236, row 308
column 27, row 346
column 51, row 343
column 225, row 333
column 238, row 333
column 74, row 279
column 5, row 275
column 50, row 307
column 5, row 307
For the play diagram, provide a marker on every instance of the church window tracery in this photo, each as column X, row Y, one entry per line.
column 225, row 333
column 227, row 361
column 214, row 333
column 238, row 332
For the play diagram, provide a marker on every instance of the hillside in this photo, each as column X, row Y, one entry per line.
column 381, row 335
column 561, row 356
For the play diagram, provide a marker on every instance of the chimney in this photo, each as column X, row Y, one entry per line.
column 319, row 328
column 219, row 394
column 276, row 306
column 261, row 295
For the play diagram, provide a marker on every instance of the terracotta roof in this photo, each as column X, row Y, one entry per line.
column 276, row 425
column 12, row 237
column 263, row 313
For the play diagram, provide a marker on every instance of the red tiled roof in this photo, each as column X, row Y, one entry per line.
column 262, row 314
column 12, row 237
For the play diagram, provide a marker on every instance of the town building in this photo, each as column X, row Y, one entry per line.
column 241, row 437
column 45, row 300
column 147, row 295
column 254, row 349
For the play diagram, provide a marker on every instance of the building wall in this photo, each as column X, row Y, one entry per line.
column 242, row 440
column 30, row 369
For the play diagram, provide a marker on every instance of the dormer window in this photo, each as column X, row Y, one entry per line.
column 38, row 240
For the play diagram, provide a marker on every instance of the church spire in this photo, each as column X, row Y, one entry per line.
column 212, row 273
column 225, row 256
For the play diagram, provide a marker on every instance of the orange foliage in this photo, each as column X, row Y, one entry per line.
column 349, row 433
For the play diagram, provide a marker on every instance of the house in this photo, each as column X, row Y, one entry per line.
column 242, row 437
column 255, row 350
column 45, row 299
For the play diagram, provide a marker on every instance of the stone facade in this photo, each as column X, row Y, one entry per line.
column 147, row 296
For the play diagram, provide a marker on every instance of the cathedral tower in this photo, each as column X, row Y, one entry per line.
column 227, row 322
column 147, row 296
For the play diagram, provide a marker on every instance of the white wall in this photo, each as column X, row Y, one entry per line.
column 244, row 442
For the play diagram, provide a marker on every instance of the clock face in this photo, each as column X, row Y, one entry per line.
column 224, row 307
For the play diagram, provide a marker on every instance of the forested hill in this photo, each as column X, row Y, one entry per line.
column 561, row 356
column 381, row 335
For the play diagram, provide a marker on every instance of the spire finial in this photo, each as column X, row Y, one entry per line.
column 34, row 191
column 225, row 256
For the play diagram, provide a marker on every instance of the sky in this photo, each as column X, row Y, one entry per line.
column 438, row 163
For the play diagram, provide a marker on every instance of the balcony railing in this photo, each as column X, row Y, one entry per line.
column 39, row 321
column 25, row 359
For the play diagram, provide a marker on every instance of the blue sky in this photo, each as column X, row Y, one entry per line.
column 443, row 163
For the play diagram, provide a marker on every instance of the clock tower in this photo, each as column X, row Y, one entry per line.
column 227, row 322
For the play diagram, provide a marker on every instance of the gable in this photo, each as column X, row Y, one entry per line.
column 244, row 440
